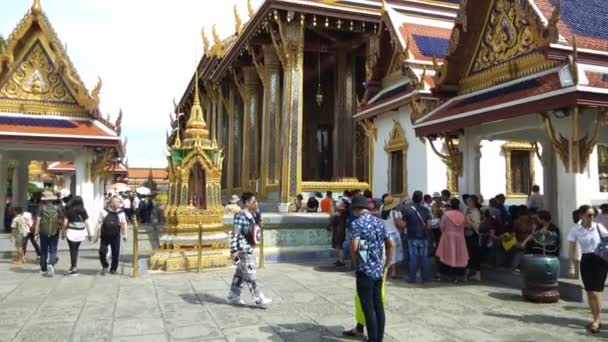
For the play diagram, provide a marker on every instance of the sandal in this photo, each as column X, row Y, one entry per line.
column 590, row 328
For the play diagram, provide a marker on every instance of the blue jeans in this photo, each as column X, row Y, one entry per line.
column 418, row 257
column 48, row 249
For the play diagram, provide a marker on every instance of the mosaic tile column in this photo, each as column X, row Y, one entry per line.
column 291, row 127
column 250, row 133
column 270, row 162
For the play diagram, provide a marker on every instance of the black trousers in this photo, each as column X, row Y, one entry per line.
column 474, row 252
column 370, row 294
column 114, row 244
column 74, row 246
column 32, row 238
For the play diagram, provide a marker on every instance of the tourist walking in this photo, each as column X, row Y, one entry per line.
column 535, row 200
column 75, row 230
column 393, row 221
column 245, row 235
column 418, row 222
column 31, row 236
column 113, row 225
column 371, row 250
column 452, row 249
column 48, row 224
column 19, row 230
column 471, row 233
column 337, row 226
column 593, row 269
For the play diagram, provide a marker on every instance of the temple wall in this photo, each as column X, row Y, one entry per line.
column 426, row 172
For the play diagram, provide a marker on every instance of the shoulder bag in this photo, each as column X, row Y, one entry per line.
column 602, row 249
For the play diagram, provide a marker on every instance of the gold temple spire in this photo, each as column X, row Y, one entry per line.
column 36, row 7
column 196, row 133
column 205, row 41
column 250, row 9
column 238, row 23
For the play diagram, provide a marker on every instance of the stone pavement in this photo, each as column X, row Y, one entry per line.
column 311, row 303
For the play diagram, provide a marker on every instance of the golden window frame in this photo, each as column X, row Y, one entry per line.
column 397, row 142
column 508, row 148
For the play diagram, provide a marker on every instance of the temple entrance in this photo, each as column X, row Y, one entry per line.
column 197, row 187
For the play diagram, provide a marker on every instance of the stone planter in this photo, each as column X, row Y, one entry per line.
column 540, row 278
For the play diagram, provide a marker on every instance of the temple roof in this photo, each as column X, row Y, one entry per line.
column 61, row 167
column 24, row 128
column 157, row 173
column 42, row 97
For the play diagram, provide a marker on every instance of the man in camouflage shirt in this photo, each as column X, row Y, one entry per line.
column 242, row 246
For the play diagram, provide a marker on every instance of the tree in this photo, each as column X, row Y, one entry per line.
column 2, row 42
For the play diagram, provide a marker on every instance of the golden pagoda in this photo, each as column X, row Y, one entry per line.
column 194, row 203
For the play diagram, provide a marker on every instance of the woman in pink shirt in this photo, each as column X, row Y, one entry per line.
column 452, row 249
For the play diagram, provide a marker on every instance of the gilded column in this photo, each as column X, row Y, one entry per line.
column 270, row 149
column 343, row 116
column 230, row 147
column 250, row 132
column 291, row 53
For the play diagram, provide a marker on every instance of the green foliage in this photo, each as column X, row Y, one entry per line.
column 33, row 188
column 2, row 42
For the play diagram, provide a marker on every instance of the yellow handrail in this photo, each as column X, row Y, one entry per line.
column 135, row 258
column 200, row 247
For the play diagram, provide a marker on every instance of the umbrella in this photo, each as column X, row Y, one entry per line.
column 120, row 187
column 142, row 190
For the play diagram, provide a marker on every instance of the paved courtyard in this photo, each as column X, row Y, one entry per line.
column 311, row 303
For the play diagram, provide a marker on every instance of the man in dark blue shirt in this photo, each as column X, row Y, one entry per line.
column 418, row 221
column 371, row 252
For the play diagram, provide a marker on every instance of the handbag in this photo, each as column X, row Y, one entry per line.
column 509, row 243
column 602, row 249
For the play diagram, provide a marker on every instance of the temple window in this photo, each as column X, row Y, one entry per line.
column 602, row 163
column 519, row 161
column 396, row 147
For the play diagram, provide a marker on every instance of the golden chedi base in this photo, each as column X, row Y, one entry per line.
column 174, row 261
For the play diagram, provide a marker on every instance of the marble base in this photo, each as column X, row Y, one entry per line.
column 188, row 260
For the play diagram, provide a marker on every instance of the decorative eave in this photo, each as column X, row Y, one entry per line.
column 36, row 16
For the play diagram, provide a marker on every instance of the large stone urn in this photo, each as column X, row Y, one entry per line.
column 541, row 273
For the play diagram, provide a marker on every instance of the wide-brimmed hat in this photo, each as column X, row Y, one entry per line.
column 436, row 195
column 234, row 199
column 48, row 196
column 359, row 202
column 390, row 203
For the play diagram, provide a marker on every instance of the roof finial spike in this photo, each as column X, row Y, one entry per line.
column 197, row 100
column 205, row 42
column 37, row 7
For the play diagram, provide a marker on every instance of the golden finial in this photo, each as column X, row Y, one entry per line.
column 37, row 7
column 205, row 41
column 250, row 9
column 197, row 99
column 384, row 6
column 237, row 21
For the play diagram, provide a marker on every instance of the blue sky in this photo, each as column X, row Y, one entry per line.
column 143, row 50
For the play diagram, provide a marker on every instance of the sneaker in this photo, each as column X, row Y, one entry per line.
column 233, row 300
column 352, row 333
column 113, row 272
column 104, row 270
column 261, row 300
column 50, row 271
column 71, row 273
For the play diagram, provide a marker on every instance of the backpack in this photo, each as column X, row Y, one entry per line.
column 50, row 220
column 110, row 228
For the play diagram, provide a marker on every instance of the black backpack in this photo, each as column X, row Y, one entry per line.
column 110, row 228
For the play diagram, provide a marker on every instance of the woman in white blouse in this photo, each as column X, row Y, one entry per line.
column 593, row 269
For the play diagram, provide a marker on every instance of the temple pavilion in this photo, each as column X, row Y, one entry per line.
column 534, row 71
column 48, row 114
column 279, row 95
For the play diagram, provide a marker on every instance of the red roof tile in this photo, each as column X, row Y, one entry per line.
column 38, row 126
column 144, row 172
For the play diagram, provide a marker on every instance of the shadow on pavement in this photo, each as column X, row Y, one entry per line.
column 573, row 323
column 508, row 297
column 207, row 298
column 309, row 332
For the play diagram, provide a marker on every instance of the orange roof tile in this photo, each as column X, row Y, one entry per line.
column 143, row 173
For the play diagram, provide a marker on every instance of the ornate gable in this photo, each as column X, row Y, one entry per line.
column 36, row 78
column 508, row 48
column 36, row 74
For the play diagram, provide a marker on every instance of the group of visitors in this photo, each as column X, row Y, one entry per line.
column 54, row 218
column 135, row 206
